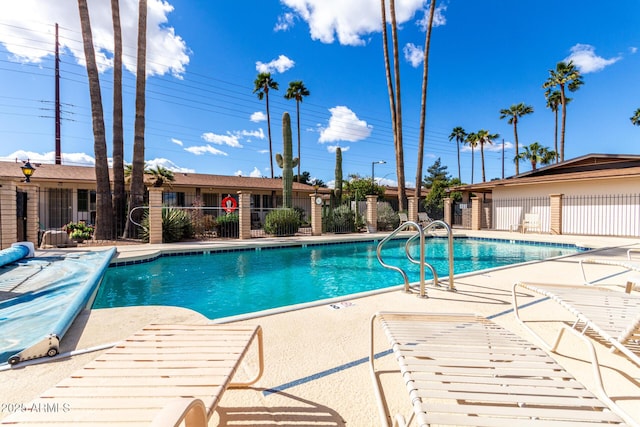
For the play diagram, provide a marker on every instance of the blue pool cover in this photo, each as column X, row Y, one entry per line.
column 40, row 297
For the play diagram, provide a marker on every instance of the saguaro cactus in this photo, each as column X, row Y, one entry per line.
column 286, row 162
column 338, row 183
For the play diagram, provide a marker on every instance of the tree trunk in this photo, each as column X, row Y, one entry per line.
column 564, row 117
column 136, row 197
column 515, row 136
column 555, row 135
column 484, row 179
column 298, row 120
column 399, row 145
column 104, row 208
column 472, row 160
column 423, row 104
column 266, row 93
column 119, row 192
column 387, row 67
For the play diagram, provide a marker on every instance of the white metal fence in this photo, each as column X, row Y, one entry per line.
column 509, row 213
column 601, row 215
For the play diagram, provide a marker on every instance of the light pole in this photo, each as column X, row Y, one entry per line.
column 379, row 162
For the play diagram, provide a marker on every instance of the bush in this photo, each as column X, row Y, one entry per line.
column 344, row 219
column 176, row 225
column 282, row 222
column 228, row 225
column 388, row 219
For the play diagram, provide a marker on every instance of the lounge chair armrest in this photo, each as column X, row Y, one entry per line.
column 632, row 250
column 191, row 411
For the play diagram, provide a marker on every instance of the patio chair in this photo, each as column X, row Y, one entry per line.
column 403, row 217
column 531, row 222
column 628, row 264
column 161, row 375
column 463, row 369
column 424, row 219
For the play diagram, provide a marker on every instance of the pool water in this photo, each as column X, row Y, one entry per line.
column 224, row 284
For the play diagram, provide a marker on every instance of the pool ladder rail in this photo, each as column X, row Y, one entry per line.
column 421, row 262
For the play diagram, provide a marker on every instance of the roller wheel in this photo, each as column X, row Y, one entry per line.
column 52, row 352
column 13, row 360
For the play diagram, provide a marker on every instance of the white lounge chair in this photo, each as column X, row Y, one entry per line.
column 531, row 222
column 424, row 219
column 403, row 217
column 463, row 369
column 628, row 264
column 158, row 376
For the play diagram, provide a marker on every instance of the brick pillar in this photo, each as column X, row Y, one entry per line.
column 244, row 212
column 33, row 216
column 556, row 213
column 316, row 215
column 155, row 215
column 447, row 211
column 413, row 209
column 476, row 213
column 9, row 229
column 372, row 213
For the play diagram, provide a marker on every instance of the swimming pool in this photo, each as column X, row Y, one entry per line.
column 222, row 284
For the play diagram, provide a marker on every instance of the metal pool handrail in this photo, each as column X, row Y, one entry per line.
column 421, row 262
column 403, row 226
column 446, row 226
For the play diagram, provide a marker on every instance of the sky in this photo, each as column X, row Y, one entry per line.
column 203, row 57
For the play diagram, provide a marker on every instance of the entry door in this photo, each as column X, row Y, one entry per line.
column 21, row 216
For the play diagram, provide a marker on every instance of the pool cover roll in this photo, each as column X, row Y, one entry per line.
column 13, row 254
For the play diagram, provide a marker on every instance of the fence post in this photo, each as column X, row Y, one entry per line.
column 9, row 229
column 412, row 214
column 244, row 214
column 372, row 213
column 556, row 213
column 447, row 211
column 476, row 213
column 155, row 215
column 316, row 214
column 33, row 216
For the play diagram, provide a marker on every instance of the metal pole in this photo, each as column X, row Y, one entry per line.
column 58, row 153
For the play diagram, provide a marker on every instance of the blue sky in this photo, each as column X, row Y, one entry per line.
column 203, row 57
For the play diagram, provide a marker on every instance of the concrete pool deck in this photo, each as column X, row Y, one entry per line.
column 316, row 370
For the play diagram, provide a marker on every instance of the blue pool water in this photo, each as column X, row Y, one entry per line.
column 224, row 284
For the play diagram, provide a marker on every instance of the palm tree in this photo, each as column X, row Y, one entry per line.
column 472, row 140
column 536, row 153
column 136, row 195
column 119, row 194
column 423, row 103
column 459, row 135
column 160, row 175
column 394, row 96
column 553, row 102
column 297, row 91
column 566, row 75
column 262, row 84
column 484, row 137
column 635, row 119
column 104, row 207
column 514, row 113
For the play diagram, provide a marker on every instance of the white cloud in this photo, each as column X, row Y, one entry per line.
column 177, row 141
column 29, row 28
column 413, row 54
column 228, row 139
column 253, row 133
column 344, row 125
column 285, row 21
column 255, row 173
column 71, row 159
column 280, row 65
column 585, row 59
column 438, row 17
column 633, row 49
column 167, row 164
column 204, row 149
column 258, row 116
column 263, row 151
column 332, row 148
column 348, row 21
column 496, row 146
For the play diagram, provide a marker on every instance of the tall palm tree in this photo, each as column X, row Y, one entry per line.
column 635, row 119
column 104, row 206
column 119, row 193
column 536, row 153
column 565, row 76
column 136, row 195
column 423, row 103
column 484, row 137
column 514, row 113
column 472, row 140
column 459, row 135
column 553, row 103
column 297, row 91
column 394, row 96
column 262, row 84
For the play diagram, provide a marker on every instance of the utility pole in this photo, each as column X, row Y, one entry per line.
column 502, row 158
column 57, row 102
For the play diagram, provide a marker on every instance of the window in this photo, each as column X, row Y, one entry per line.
column 173, row 199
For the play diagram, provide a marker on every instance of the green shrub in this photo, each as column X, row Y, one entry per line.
column 176, row 225
column 228, row 225
column 388, row 219
column 282, row 222
column 344, row 219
